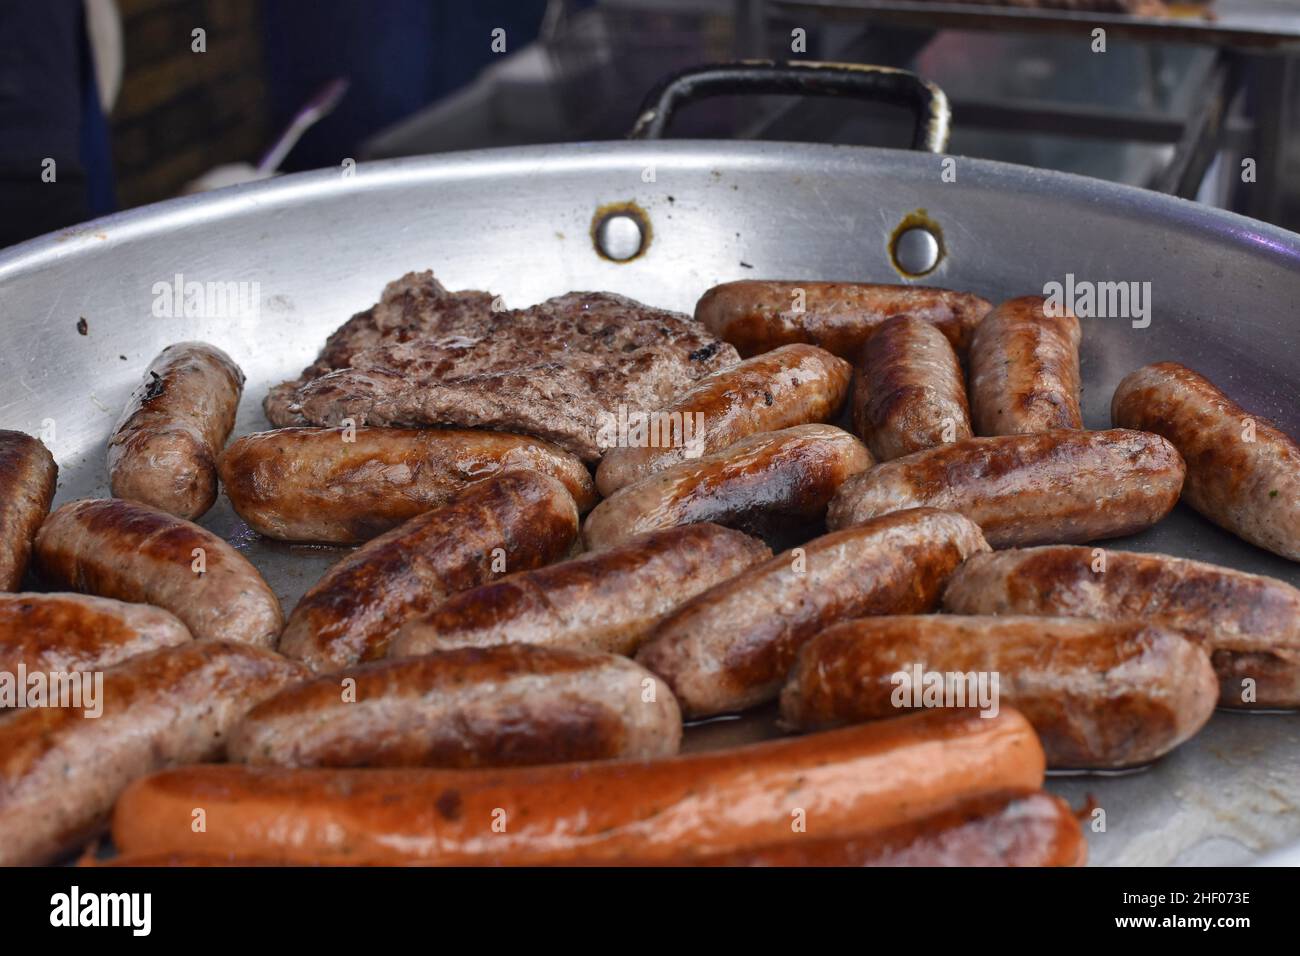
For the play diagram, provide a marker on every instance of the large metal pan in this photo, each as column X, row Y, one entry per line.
column 79, row 322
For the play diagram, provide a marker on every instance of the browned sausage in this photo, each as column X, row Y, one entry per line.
column 908, row 393
column 27, row 478
column 1024, row 828
column 1024, row 369
column 129, row 551
column 164, row 450
column 792, row 385
column 1062, row 486
column 605, row 601
column 345, row 486
column 839, row 783
column 60, row 771
column 787, row 474
column 1250, row 624
column 1242, row 472
column 732, row 646
column 1001, row 829
column 758, row 315
column 504, row 706
column 1100, row 694
column 512, row 522
column 60, row 633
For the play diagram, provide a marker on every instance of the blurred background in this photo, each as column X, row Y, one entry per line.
column 110, row 104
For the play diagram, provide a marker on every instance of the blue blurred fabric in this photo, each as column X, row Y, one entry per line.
column 400, row 56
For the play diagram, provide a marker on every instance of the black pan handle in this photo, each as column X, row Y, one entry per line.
column 928, row 103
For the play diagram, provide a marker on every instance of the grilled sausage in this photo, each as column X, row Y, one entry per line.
column 164, row 449
column 1062, row 486
column 909, row 393
column 1002, row 829
column 1249, row 624
column 606, row 601
column 792, row 385
column 875, row 775
column 132, row 552
column 1022, row 828
column 1024, row 369
column 787, row 474
column 732, row 646
column 1100, row 694
column 1242, row 472
column 504, row 706
column 27, row 478
column 60, row 771
column 61, row 633
column 345, row 486
column 757, row 316
column 516, row 521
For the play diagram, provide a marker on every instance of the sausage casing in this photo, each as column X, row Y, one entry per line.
column 1024, row 369
column 1100, row 694
column 841, row 782
column 909, row 393
column 1023, row 828
column 132, row 552
column 61, row 633
column 61, row 771
column 164, row 449
column 1012, row 829
column 792, row 385
column 345, row 486
column 502, row 706
column 790, row 473
column 28, row 475
column 1063, row 486
column 1242, row 472
column 1249, row 624
column 515, row 521
column 758, row 315
column 732, row 646
column 604, row 601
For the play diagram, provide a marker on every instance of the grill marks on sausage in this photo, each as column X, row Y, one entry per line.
column 60, row 773
column 1250, row 624
column 759, row 315
column 604, row 601
column 1028, row 489
column 28, row 476
column 1100, row 694
column 73, row 632
column 508, row 705
column 1024, row 365
column 310, row 484
column 164, row 448
column 352, row 613
column 751, row 485
column 731, row 647
column 909, row 390
column 792, row 385
column 1251, row 488
column 129, row 551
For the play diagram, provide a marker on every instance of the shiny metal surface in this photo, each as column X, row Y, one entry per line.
column 916, row 251
column 320, row 246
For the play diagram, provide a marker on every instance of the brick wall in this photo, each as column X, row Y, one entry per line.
column 180, row 113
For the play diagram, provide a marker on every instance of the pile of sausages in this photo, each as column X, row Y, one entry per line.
column 499, row 672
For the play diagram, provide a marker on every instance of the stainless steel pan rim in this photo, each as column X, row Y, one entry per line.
column 518, row 222
column 187, row 212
